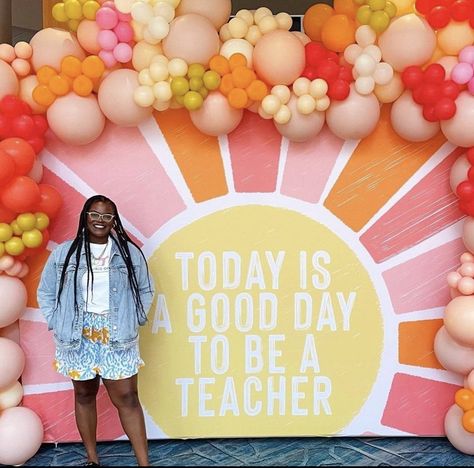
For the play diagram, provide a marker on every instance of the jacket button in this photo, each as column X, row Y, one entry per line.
column 114, row 289
column 115, row 328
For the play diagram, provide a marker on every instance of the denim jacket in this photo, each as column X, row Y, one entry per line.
column 67, row 324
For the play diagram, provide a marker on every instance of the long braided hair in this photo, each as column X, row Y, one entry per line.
column 121, row 239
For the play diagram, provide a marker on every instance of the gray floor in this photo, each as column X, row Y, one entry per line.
column 369, row 451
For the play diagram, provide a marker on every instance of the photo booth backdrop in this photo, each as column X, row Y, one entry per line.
column 300, row 268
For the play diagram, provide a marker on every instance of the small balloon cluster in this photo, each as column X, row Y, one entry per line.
column 464, row 398
column 323, row 63
column 75, row 75
column 18, row 57
column 463, row 72
column 376, row 14
column 432, row 90
column 312, row 95
column 73, row 12
column 461, row 281
column 152, row 20
column 275, row 105
column 439, row 13
column 17, row 120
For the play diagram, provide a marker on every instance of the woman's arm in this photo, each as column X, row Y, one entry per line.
column 47, row 293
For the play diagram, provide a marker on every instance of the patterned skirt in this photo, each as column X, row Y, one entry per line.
column 95, row 356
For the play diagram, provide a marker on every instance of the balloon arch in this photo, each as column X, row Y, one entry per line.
column 120, row 61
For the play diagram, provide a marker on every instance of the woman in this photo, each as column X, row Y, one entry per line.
column 95, row 292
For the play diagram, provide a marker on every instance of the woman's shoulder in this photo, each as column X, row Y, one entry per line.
column 61, row 249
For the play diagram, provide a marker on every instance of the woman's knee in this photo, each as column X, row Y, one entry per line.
column 127, row 399
column 85, row 397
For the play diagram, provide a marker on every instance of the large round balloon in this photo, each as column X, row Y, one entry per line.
column 217, row 11
column 50, row 200
column 407, row 120
column 344, row 117
column 87, row 33
column 20, row 195
column 13, row 303
column 468, row 234
column 8, row 80
column 459, row 130
column 458, row 172
column 455, row 36
column 21, row 434
column 216, row 117
column 459, row 319
column 27, row 85
column 301, row 127
column 193, row 38
column 455, row 432
column 116, row 98
column 409, row 40
column 76, row 120
column 143, row 53
column 51, row 45
column 11, row 364
column 11, row 396
column 279, row 57
column 451, row 355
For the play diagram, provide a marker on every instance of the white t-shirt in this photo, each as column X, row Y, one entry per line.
column 97, row 299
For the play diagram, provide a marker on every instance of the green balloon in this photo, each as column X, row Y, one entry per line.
column 196, row 70
column 212, row 80
column 363, row 14
column 195, row 83
column 179, row 86
column 193, row 100
column 379, row 21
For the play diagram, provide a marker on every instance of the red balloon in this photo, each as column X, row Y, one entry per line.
column 430, row 93
column 310, row 73
column 5, row 127
column 21, row 194
column 460, row 10
column 429, row 113
column 338, row 90
column 41, row 124
column 450, row 89
column 424, row 6
column 470, row 155
column 445, row 109
column 434, row 73
column 328, row 71
column 412, row 76
column 37, row 143
column 345, row 73
column 6, row 215
column 314, row 53
column 12, row 106
column 22, row 153
column 438, row 17
column 470, row 175
column 471, row 19
column 50, row 200
column 7, row 168
column 23, row 126
column 465, row 190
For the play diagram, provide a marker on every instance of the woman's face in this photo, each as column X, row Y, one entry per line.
column 100, row 220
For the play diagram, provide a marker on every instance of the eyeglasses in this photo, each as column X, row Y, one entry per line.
column 94, row 216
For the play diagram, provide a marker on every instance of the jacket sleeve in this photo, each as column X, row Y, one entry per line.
column 47, row 293
column 145, row 283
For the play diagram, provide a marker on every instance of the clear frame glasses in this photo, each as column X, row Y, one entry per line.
column 94, row 216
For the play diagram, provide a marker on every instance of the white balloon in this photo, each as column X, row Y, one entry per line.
column 142, row 12
column 233, row 46
column 351, row 53
column 365, row 65
column 383, row 73
column 364, row 85
column 365, row 35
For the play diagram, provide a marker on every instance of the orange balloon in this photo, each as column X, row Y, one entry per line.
column 242, row 77
column 226, row 84
column 468, row 421
column 238, row 98
column 59, row 86
column 257, row 90
column 93, row 66
column 464, row 398
column 43, row 96
column 21, row 152
column 82, row 85
column 237, row 60
column 71, row 66
column 44, row 74
column 219, row 64
column 314, row 19
column 338, row 32
column 346, row 7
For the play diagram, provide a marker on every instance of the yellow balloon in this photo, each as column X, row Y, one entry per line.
column 379, row 21
column 42, row 221
column 26, row 221
column 404, row 6
column 211, row 80
column 2, row 249
column 179, row 86
column 193, row 100
column 73, row 9
column 195, row 83
column 59, row 13
column 196, row 70
column 32, row 238
column 14, row 246
column 455, row 36
column 89, row 9
column 6, row 232
column 15, row 228
column 73, row 24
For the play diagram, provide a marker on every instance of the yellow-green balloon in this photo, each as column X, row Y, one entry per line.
column 179, row 86
column 390, row 9
column 212, row 80
column 203, row 92
column 195, row 83
column 6, row 232
column 89, row 9
column 26, row 221
column 16, row 228
column 32, row 238
column 364, row 14
column 59, row 13
column 196, row 70
column 379, row 21
column 193, row 100
column 42, row 221
column 376, row 5
column 14, row 246
column 73, row 9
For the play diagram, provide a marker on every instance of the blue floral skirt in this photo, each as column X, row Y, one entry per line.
column 95, row 356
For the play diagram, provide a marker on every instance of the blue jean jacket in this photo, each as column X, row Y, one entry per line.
column 67, row 324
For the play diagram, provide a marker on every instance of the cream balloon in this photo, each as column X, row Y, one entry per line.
column 8, row 80
column 11, row 396
column 407, row 120
column 217, row 11
column 51, row 45
column 11, row 364
column 455, row 36
column 461, row 439
column 458, row 172
column 343, row 117
column 451, row 355
column 238, row 46
column 27, row 85
column 448, row 62
column 468, row 234
column 13, row 303
column 459, row 130
column 459, row 320
column 391, row 91
column 302, row 37
column 409, row 40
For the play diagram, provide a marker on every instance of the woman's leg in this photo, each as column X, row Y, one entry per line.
column 124, row 395
column 85, row 393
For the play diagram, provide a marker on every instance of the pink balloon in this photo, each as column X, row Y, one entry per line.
column 13, row 303
column 344, row 117
column 396, row 42
column 8, row 80
column 407, row 120
column 116, row 98
column 451, row 355
column 12, row 362
column 106, row 18
column 455, row 432
column 76, row 120
column 193, row 38
column 123, row 52
column 87, row 35
column 21, row 435
column 51, row 45
column 216, row 117
column 217, row 11
column 459, row 130
column 279, row 57
column 459, row 320
column 458, row 172
column 468, row 234
column 462, row 73
column 107, row 56
column 301, row 127
column 467, row 55
column 107, row 39
column 127, row 17
column 124, row 31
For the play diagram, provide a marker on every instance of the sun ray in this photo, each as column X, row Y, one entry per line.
column 227, row 162
column 282, row 163
column 197, row 155
column 379, row 166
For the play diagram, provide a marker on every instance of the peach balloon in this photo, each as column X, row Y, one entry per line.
column 87, row 33
column 11, row 396
column 468, row 234
column 458, row 172
column 451, row 355
column 407, row 120
column 461, row 439
column 13, row 303
column 216, row 117
column 217, row 11
column 344, row 117
column 193, row 38
column 301, row 127
column 27, row 85
column 21, row 435
column 11, row 364
column 409, row 40
column 455, row 36
column 459, row 320
column 116, row 99
column 302, row 37
column 51, row 45
column 279, row 57
column 459, row 130
column 143, row 53
column 12, row 332
column 448, row 62
column 76, row 120
column 8, row 80
column 391, row 91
